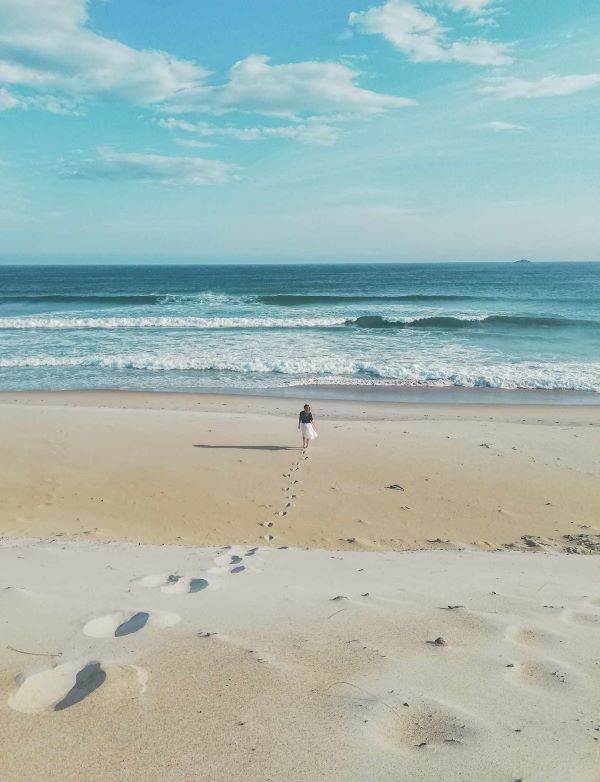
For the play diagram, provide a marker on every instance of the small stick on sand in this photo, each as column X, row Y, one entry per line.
column 33, row 654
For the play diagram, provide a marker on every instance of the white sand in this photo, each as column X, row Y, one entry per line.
column 173, row 663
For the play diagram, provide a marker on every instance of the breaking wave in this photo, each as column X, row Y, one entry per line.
column 454, row 322
column 362, row 322
column 292, row 370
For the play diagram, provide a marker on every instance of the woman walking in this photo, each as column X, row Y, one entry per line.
column 307, row 426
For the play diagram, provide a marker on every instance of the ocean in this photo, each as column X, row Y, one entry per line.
column 387, row 327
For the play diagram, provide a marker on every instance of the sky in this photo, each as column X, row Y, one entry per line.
column 299, row 130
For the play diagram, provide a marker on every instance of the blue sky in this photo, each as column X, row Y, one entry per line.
column 295, row 131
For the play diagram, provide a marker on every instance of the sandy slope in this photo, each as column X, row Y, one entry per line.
column 200, row 470
column 296, row 665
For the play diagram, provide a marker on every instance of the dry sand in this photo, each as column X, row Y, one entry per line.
column 351, row 662
column 297, row 665
column 179, row 468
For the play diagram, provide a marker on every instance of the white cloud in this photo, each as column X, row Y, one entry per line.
column 480, row 52
column 288, row 90
column 46, row 46
column 511, row 87
column 312, row 131
column 505, row 127
column 421, row 37
column 191, row 143
column 162, row 169
column 47, row 49
column 8, row 100
column 470, row 6
column 484, row 21
column 55, row 105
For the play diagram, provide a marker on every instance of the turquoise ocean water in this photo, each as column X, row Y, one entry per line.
column 187, row 328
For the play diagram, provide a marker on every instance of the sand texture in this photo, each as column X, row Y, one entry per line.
column 185, row 596
column 179, row 468
column 129, row 662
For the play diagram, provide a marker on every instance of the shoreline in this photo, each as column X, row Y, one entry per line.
column 358, row 392
column 227, row 470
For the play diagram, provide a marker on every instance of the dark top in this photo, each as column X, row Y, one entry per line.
column 305, row 418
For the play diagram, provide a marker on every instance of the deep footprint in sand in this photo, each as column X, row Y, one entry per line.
column 231, row 561
column 57, row 688
column 226, row 558
column 185, row 585
column 66, row 685
column 172, row 583
column 122, row 623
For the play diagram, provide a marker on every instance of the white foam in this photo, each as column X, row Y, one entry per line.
column 166, row 322
column 467, row 372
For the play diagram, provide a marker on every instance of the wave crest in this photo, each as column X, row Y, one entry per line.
column 454, row 322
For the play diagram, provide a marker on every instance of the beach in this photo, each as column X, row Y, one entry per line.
column 223, row 470
column 186, row 596
column 134, row 662
column 299, row 391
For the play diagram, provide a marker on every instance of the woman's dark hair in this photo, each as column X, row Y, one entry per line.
column 307, row 405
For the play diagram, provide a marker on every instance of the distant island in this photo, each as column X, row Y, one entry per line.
column 523, row 260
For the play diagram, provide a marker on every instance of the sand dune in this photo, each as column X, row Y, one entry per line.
column 296, row 665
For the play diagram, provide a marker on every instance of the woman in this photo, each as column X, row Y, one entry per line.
column 307, row 425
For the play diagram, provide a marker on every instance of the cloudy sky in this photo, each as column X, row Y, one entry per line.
column 299, row 130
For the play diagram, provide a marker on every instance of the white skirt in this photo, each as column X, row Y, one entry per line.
column 308, row 431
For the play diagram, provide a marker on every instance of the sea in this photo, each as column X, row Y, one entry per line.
column 389, row 330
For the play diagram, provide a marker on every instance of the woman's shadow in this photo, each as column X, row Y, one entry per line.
column 252, row 447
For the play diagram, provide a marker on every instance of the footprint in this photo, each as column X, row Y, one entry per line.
column 57, row 688
column 226, row 558
column 155, row 580
column 237, row 569
column 121, row 623
column 172, row 583
column 182, row 586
